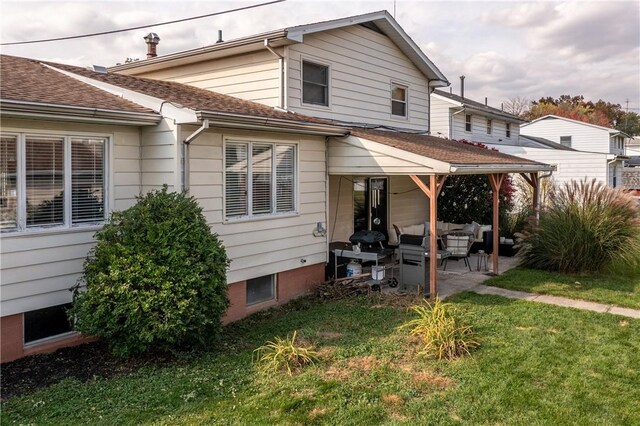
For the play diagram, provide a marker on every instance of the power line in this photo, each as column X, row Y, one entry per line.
column 46, row 40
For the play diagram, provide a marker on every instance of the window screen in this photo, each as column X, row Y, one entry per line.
column 565, row 140
column 8, row 182
column 236, row 172
column 285, row 177
column 315, row 83
column 262, row 165
column 260, row 289
column 44, row 180
column 87, row 180
column 399, row 100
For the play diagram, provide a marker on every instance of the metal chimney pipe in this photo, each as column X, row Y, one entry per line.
column 485, row 101
column 462, row 86
column 219, row 37
column 152, row 40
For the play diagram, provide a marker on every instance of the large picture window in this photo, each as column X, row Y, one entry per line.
column 51, row 181
column 259, row 178
column 315, row 84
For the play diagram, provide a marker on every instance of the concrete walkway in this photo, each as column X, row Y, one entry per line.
column 458, row 278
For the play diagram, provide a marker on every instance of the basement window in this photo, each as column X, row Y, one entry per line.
column 261, row 289
column 45, row 323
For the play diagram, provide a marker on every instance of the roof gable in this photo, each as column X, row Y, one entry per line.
column 570, row 120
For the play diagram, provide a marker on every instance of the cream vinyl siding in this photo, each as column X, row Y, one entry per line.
column 160, row 157
column 440, row 117
column 363, row 65
column 270, row 244
column 583, row 137
column 407, row 205
column 39, row 267
column 254, row 77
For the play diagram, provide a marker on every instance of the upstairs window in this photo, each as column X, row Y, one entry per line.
column 51, row 181
column 260, row 179
column 565, row 140
column 315, row 84
column 507, row 131
column 467, row 123
column 489, row 126
column 398, row 100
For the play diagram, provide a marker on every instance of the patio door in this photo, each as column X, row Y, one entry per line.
column 370, row 204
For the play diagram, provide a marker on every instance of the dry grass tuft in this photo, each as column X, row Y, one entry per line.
column 392, row 399
column 422, row 378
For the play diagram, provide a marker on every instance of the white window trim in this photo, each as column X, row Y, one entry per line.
column 250, row 217
column 405, row 86
column 329, row 97
column 470, row 123
column 21, row 186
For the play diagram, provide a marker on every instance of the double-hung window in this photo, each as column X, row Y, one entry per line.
column 51, row 181
column 489, row 126
column 260, row 178
column 398, row 100
column 507, row 131
column 315, row 84
column 467, row 123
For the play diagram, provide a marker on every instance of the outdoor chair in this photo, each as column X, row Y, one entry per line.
column 459, row 247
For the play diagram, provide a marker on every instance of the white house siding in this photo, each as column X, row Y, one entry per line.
column 571, row 165
column 272, row 244
column 407, row 205
column 160, row 162
column 362, row 65
column 254, row 76
column 479, row 129
column 440, row 113
column 39, row 267
column 583, row 136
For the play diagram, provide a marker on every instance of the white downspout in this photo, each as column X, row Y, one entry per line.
column 185, row 157
column 281, row 67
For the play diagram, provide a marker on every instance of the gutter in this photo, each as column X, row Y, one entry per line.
column 499, row 168
column 25, row 109
column 185, row 157
column 281, row 67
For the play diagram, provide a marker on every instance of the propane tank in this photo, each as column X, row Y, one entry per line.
column 354, row 268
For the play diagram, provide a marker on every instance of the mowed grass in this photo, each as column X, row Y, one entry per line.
column 537, row 364
column 622, row 289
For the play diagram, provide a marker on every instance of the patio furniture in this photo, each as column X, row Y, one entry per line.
column 458, row 247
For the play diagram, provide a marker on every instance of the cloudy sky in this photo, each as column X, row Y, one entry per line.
column 504, row 48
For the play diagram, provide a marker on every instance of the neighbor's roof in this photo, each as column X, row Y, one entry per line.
column 27, row 83
column 480, row 107
column 448, row 151
column 535, row 141
column 613, row 132
column 380, row 21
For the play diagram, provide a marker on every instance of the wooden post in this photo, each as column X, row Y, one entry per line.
column 496, row 182
column 431, row 191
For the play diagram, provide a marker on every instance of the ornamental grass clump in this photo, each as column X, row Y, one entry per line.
column 442, row 331
column 284, row 355
column 156, row 278
column 585, row 228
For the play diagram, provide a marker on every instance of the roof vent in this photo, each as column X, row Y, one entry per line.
column 219, row 37
column 462, row 86
column 152, row 41
column 98, row 68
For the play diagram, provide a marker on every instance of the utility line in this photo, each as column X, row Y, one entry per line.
column 46, row 40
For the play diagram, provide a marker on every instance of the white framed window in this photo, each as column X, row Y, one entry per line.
column 507, row 131
column 315, row 83
column 261, row 289
column 51, row 181
column 467, row 123
column 260, row 178
column 399, row 100
column 565, row 140
column 489, row 126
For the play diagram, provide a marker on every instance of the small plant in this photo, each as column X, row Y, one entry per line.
column 586, row 227
column 284, row 355
column 442, row 331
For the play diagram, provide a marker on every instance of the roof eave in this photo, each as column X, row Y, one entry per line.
column 473, row 169
column 25, row 109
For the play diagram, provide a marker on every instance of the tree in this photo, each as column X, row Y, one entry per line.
column 517, row 106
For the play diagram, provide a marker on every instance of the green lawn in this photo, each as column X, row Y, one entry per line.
column 610, row 288
column 538, row 364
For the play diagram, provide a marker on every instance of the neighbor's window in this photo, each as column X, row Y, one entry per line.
column 467, row 123
column 508, row 130
column 260, row 178
column 47, row 322
column 398, row 100
column 315, row 83
column 565, row 140
column 51, row 181
column 261, row 289
column 489, row 126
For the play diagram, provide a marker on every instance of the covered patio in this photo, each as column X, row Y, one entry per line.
column 414, row 168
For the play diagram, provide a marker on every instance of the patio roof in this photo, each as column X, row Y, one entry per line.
column 382, row 152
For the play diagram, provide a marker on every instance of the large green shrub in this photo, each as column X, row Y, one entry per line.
column 585, row 227
column 156, row 278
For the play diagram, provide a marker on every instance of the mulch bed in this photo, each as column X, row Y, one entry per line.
column 84, row 363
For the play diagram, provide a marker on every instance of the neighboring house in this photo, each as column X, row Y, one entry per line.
column 456, row 117
column 584, row 137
